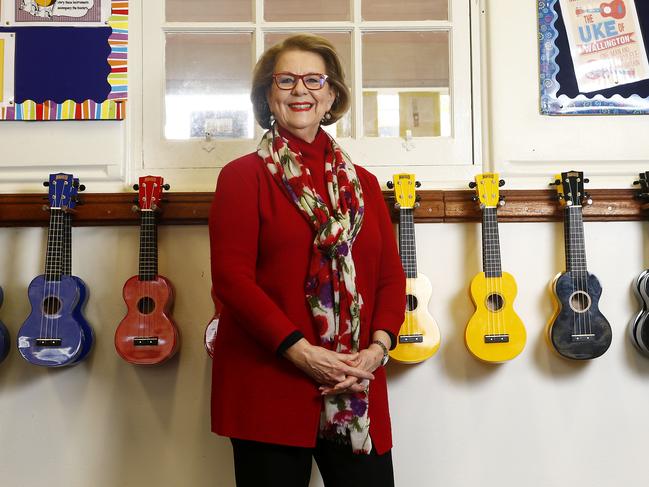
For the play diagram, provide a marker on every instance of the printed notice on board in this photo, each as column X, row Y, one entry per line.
column 606, row 43
column 68, row 11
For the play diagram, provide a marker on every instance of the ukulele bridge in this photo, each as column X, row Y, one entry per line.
column 417, row 338
column 499, row 338
column 48, row 342
column 585, row 337
column 145, row 341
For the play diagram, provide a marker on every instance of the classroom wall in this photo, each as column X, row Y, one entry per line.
column 537, row 421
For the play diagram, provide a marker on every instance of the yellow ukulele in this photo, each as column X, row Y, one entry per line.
column 419, row 336
column 494, row 333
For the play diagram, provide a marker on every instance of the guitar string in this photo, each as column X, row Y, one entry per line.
column 485, row 256
column 578, row 266
column 587, row 300
column 502, row 325
column 59, row 263
column 43, row 323
column 405, row 225
column 569, row 262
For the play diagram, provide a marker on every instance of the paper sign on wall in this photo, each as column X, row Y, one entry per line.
column 606, row 43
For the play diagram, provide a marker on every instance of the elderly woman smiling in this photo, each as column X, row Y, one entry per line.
column 305, row 262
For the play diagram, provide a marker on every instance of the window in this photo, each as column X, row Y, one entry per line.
column 408, row 65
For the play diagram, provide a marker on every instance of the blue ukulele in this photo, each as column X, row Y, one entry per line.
column 66, row 269
column 52, row 336
column 4, row 335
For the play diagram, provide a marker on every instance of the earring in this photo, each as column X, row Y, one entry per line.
column 326, row 118
column 271, row 119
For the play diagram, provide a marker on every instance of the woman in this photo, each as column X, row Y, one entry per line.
column 305, row 263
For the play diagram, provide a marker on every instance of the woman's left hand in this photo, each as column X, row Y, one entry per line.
column 369, row 360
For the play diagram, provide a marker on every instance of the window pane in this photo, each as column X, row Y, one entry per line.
column 208, row 10
column 342, row 44
column 208, row 79
column 312, row 10
column 406, row 84
column 405, row 10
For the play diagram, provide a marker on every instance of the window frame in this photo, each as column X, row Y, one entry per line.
column 437, row 161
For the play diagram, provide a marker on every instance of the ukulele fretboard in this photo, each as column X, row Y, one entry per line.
column 148, row 269
column 574, row 239
column 407, row 244
column 490, row 243
column 54, row 253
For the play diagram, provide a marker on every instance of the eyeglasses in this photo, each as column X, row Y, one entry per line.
column 288, row 81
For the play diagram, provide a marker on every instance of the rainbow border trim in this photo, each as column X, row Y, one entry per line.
column 114, row 108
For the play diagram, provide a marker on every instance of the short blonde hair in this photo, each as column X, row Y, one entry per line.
column 262, row 76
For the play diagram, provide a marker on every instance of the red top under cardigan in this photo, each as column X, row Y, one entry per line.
column 260, row 251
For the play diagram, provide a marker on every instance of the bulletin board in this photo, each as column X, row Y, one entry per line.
column 593, row 57
column 64, row 60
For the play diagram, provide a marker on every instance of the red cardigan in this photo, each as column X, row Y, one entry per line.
column 260, row 249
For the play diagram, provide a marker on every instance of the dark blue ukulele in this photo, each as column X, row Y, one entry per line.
column 51, row 336
column 578, row 330
column 88, row 333
column 4, row 335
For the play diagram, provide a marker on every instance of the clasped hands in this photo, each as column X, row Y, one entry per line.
column 336, row 373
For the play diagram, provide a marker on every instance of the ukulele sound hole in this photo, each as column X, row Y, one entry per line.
column 146, row 305
column 495, row 302
column 411, row 302
column 51, row 305
column 580, row 301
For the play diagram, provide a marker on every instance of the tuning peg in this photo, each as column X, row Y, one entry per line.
column 636, row 182
column 472, row 184
column 46, row 183
column 556, row 182
column 588, row 200
column 82, row 187
column 397, row 206
column 136, row 187
column 390, row 184
column 501, row 183
column 501, row 201
column 586, row 180
column 135, row 208
column 166, row 187
column 474, row 198
column 568, row 202
column 417, row 184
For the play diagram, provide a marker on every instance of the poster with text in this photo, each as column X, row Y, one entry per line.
column 58, row 12
column 606, row 43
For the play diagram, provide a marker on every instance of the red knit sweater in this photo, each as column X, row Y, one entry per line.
column 260, row 250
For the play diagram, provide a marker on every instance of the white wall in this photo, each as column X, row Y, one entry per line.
column 538, row 421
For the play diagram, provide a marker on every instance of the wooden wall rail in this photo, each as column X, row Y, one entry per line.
column 99, row 209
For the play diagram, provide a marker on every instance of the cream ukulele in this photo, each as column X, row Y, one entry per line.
column 578, row 330
column 494, row 333
column 419, row 336
column 147, row 335
column 212, row 326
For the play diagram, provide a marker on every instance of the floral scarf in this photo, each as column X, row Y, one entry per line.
column 331, row 284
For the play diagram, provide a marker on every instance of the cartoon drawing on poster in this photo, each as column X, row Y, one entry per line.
column 606, row 44
column 58, row 10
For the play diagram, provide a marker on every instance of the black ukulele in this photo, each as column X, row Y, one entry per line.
column 578, row 330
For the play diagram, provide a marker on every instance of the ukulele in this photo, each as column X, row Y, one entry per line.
column 638, row 329
column 210, row 330
column 4, row 335
column 615, row 9
column 147, row 335
column 419, row 336
column 51, row 336
column 494, row 333
column 578, row 330
column 66, row 269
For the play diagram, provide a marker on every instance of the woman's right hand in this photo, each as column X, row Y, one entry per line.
column 324, row 366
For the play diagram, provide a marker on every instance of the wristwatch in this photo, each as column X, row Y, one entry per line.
column 385, row 358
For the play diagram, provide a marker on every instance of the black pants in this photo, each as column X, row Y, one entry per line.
column 266, row 465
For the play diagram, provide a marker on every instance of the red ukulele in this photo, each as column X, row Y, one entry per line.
column 147, row 335
column 210, row 331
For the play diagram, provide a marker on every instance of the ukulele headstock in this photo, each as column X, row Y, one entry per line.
column 150, row 192
column 60, row 190
column 404, row 185
column 487, row 188
column 74, row 193
column 643, row 181
column 570, row 188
